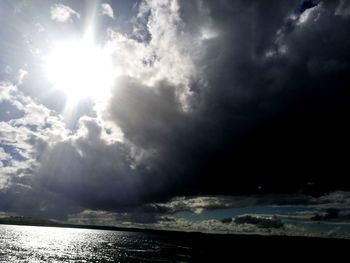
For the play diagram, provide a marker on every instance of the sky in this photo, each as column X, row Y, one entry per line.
column 175, row 114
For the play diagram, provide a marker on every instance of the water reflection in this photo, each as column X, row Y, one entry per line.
column 48, row 244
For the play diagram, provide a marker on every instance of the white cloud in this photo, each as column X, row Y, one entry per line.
column 311, row 13
column 107, row 10
column 27, row 136
column 168, row 51
column 22, row 74
column 62, row 13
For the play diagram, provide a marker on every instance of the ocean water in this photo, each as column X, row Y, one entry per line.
column 49, row 244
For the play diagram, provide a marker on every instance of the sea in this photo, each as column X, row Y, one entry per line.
column 54, row 244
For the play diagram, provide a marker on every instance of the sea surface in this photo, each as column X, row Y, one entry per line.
column 50, row 244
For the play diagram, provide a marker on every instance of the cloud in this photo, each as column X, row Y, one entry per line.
column 189, row 124
column 62, row 13
column 107, row 10
column 199, row 204
column 193, row 109
column 343, row 9
column 23, row 142
column 22, row 74
column 261, row 222
column 215, row 105
column 102, row 173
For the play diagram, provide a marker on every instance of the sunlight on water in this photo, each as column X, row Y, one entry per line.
column 49, row 244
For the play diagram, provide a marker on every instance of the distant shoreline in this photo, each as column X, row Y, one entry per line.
column 96, row 227
column 24, row 221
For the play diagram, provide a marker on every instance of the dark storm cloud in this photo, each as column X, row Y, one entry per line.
column 89, row 171
column 266, row 122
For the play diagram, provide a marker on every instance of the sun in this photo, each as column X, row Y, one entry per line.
column 80, row 69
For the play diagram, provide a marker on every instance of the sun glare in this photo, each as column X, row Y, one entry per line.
column 80, row 69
